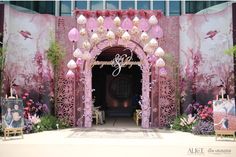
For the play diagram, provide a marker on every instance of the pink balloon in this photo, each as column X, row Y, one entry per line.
column 79, row 61
column 91, row 24
column 143, row 25
column 73, row 35
column 162, row 72
column 156, row 32
column 108, row 23
column 127, row 24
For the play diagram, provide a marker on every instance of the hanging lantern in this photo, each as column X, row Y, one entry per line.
column 144, row 37
column 82, row 32
column 153, row 20
column 162, row 71
column 147, row 48
column 77, row 53
column 126, row 36
column 110, row 35
column 86, row 45
column 159, row 52
column 117, row 21
column 73, row 35
column 81, row 20
column 71, row 64
column 136, row 21
column 86, row 56
column 94, row 38
column 153, row 43
column 70, row 74
column 160, row 63
column 79, row 61
column 100, row 20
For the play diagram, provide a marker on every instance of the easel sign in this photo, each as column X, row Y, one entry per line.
column 12, row 116
column 12, row 113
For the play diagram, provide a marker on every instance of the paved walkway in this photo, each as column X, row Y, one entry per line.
column 116, row 141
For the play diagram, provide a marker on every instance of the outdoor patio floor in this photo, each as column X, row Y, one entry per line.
column 116, row 138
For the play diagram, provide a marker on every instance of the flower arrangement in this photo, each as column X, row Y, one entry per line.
column 198, row 121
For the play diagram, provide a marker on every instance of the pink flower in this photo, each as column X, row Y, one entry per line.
column 209, row 102
column 26, row 94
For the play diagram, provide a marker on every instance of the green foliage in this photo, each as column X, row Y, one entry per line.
column 2, row 64
column 231, row 51
column 50, row 122
column 55, row 54
column 1, row 130
column 179, row 125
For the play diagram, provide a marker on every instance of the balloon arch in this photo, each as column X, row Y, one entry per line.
column 138, row 31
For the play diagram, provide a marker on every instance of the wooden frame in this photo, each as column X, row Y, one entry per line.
column 13, row 131
column 221, row 133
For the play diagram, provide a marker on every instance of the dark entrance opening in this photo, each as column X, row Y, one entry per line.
column 117, row 96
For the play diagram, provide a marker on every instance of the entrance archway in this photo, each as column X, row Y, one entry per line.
column 144, row 66
column 117, row 91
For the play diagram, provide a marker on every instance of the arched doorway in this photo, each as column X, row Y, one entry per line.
column 117, row 93
column 144, row 66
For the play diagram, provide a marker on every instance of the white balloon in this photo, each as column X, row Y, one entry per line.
column 100, row 20
column 160, row 63
column 126, row 36
column 153, row 43
column 71, row 64
column 159, row 52
column 110, row 35
column 81, row 20
column 153, row 20
column 144, row 37
column 94, row 38
column 77, row 53
column 117, row 21
column 136, row 21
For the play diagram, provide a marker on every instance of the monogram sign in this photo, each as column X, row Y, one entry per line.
column 120, row 61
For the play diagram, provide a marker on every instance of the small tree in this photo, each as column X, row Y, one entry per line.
column 55, row 55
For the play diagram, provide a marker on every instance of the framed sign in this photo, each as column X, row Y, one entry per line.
column 224, row 114
column 12, row 113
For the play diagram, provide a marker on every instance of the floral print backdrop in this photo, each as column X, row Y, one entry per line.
column 203, row 63
column 27, row 38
